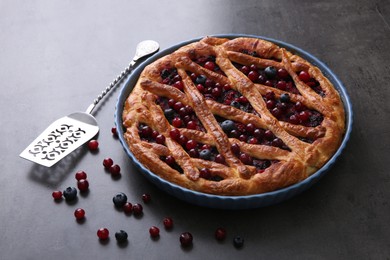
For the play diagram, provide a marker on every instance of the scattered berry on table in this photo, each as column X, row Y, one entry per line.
column 128, row 208
column 83, row 185
column 220, row 234
column 114, row 132
column 107, row 163
column 57, row 195
column 238, row 241
column 168, row 223
column 103, row 233
column 80, row 175
column 115, row 170
column 121, row 236
column 186, row 239
column 79, row 213
column 154, row 231
column 70, row 193
column 119, row 200
column 137, row 209
column 93, row 145
column 146, row 197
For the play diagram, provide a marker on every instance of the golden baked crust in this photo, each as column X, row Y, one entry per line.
column 305, row 148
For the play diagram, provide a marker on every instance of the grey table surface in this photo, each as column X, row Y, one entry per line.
column 56, row 56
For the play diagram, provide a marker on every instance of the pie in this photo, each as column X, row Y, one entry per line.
column 233, row 117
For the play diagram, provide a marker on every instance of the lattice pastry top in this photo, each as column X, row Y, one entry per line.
column 233, row 117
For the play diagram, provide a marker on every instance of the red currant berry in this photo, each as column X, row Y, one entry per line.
column 83, row 185
column 107, row 163
column 200, row 87
column 177, row 122
column 170, row 160
column 174, row 134
column 154, row 134
column 103, row 233
column 80, row 175
column 304, row 116
column 114, row 132
column 57, row 195
column 137, row 209
column 146, row 198
column 235, row 149
column 186, row 239
column 191, row 144
column 220, row 234
column 182, row 139
column 115, row 170
column 160, row 139
column 227, row 87
column 168, row 223
column 179, row 85
column 253, row 75
column 210, row 65
column 219, row 159
column 93, row 145
column 304, row 76
column 205, row 173
column 154, row 231
column 282, row 73
column 79, row 213
column 192, row 125
column 128, row 208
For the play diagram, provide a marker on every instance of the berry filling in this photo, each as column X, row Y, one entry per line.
column 292, row 112
column 311, row 82
column 269, row 76
column 223, row 94
column 179, row 115
column 196, row 149
column 250, row 134
column 170, row 77
column 170, row 160
column 149, row 135
column 208, row 62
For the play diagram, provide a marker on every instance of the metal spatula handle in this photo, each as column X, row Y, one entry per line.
column 144, row 48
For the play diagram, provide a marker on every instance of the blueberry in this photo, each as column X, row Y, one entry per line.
column 205, row 154
column 228, row 126
column 235, row 104
column 238, row 241
column 201, row 79
column 270, row 72
column 121, row 236
column 169, row 113
column 119, row 200
column 70, row 193
column 284, row 98
column 165, row 73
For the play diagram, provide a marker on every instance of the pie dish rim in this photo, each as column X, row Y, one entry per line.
column 234, row 202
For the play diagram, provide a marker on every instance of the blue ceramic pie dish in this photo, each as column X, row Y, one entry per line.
column 234, row 202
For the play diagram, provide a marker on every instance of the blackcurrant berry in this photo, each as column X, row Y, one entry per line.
column 121, row 236
column 70, row 193
column 119, row 200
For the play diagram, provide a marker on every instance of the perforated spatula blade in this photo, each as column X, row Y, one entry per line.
column 70, row 132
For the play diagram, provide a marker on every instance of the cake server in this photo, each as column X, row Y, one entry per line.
column 70, row 132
